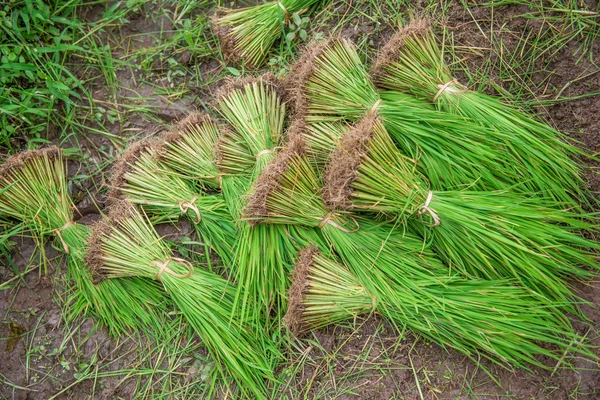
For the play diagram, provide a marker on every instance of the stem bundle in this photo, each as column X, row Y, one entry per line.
column 412, row 62
column 130, row 246
column 488, row 235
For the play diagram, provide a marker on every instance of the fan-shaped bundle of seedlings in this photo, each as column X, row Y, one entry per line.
column 482, row 234
column 330, row 83
column 263, row 254
column 247, row 34
column 407, row 284
column 141, row 178
column 33, row 192
column 412, row 62
column 128, row 246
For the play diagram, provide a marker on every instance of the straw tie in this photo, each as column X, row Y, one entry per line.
column 446, row 87
column 163, row 267
column 285, row 11
column 262, row 153
column 327, row 220
column 58, row 233
column 425, row 209
column 184, row 206
column 376, row 105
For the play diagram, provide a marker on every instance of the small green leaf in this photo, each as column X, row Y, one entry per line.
column 303, row 35
column 290, row 36
column 297, row 19
column 234, row 71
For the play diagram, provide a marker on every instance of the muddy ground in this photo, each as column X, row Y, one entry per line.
column 366, row 361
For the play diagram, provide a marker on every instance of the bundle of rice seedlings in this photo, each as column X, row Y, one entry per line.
column 263, row 254
column 482, row 234
column 140, row 178
column 33, row 191
column 518, row 328
column 247, row 34
column 189, row 150
column 412, row 62
column 476, row 317
column 331, row 83
column 129, row 246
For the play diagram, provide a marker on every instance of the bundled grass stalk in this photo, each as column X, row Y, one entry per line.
column 518, row 326
column 189, row 150
column 476, row 317
column 263, row 254
column 330, row 83
column 412, row 62
column 247, row 34
column 33, row 191
column 129, row 246
column 489, row 235
column 140, row 178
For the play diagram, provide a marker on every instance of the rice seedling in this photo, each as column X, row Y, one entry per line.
column 189, row 150
column 263, row 254
column 247, row 34
column 416, row 289
column 139, row 177
column 129, row 246
column 489, row 235
column 330, row 83
column 33, row 191
column 518, row 327
column 412, row 62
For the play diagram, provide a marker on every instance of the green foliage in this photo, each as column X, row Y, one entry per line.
column 36, row 39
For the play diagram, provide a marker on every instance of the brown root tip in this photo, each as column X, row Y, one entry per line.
column 234, row 84
column 300, row 284
column 256, row 208
column 117, row 179
column 18, row 161
column 94, row 259
column 345, row 160
column 300, row 73
column 391, row 50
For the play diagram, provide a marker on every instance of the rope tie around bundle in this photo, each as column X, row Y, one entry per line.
column 262, row 153
column 327, row 220
column 426, row 209
column 163, row 267
column 447, row 87
column 58, row 231
column 184, row 206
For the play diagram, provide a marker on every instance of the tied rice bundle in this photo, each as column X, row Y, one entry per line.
column 263, row 254
column 247, row 34
column 412, row 62
column 488, row 235
column 407, row 280
column 189, row 150
column 129, row 246
column 140, row 178
column 330, row 83
column 33, row 191
column 324, row 291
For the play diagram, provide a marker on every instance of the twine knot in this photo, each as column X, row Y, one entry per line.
column 163, row 267
column 58, row 233
column 426, row 209
column 447, row 87
column 184, row 206
column 327, row 220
